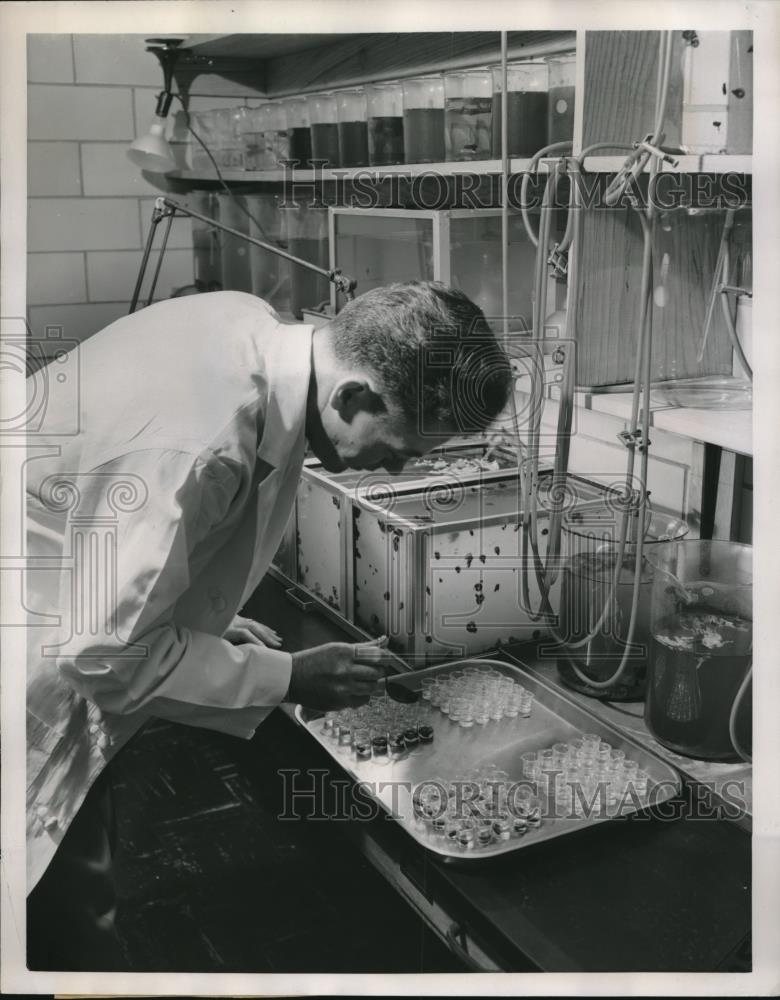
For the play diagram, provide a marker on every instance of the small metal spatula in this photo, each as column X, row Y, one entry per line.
column 398, row 691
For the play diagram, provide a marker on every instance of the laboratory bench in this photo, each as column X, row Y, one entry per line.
column 642, row 893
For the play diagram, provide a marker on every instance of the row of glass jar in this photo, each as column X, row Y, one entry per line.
column 452, row 116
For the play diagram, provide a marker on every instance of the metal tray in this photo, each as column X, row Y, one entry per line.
column 554, row 718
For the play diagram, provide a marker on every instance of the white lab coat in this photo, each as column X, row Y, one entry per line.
column 156, row 500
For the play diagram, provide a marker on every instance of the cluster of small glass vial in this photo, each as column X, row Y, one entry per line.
column 382, row 729
column 476, row 809
column 583, row 773
column 477, row 695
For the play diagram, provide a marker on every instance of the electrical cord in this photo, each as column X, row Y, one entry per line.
column 741, row 752
column 220, row 178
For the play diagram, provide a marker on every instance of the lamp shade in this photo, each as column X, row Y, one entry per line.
column 151, row 151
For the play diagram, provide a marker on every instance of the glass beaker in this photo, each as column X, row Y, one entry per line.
column 701, row 623
column 560, row 116
column 324, row 118
column 424, row 119
column 204, row 123
column 353, row 130
column 230, row 123
column 251, row 127
column 592, row 536
column 276, row 142
column 526, row 108
column 468, row 101
column 299, row 131
column 385, row 103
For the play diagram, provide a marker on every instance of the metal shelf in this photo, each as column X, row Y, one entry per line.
column 707, row 163
column 481, row 168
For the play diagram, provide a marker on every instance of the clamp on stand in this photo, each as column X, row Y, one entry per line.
column 634, row 439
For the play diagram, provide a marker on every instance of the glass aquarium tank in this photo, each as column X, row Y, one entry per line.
column 431, row 557
column 233, row 251
column 269, row 274
column 461, row 247
column 322, row 535
column 438, row 570
column 306, row 227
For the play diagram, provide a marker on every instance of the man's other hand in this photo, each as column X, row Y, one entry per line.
column 243, row 630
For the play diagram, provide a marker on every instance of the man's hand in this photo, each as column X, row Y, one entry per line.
column 243, row 630
column 338, row 674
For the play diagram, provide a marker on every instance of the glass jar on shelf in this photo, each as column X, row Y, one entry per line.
column 527, row 100
column 468, row 104
column 424, row 119
column 276, row 141
column 353, row 130
column 252, row 139
column 385, row 103
column 203, row 128
column 561, row 80
column 323, row 116
column 298, row 131
column 230, row 125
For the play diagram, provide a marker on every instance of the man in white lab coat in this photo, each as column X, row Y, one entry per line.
column 159, row 483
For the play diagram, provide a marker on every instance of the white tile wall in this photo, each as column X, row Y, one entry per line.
column 83, row 224
column 111, row 276
column 108, row 171
column 89, row 207
column 53, row 168
column 54, row 278
column 70, row 112
column 115, row 59
column 49, row 59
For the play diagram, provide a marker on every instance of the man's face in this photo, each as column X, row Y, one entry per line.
column 365, row 431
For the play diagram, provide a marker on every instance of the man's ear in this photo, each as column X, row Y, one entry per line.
column 352, row 395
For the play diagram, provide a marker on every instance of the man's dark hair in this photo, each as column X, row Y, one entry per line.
column 432, row 350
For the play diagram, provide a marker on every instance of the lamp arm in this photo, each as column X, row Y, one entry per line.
column 167, row 207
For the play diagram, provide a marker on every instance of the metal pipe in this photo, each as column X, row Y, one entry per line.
column 504, row 187
column 166, row 234
column 156, row 217
column 343, row 282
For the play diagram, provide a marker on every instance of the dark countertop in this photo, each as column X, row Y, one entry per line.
column 641, row 894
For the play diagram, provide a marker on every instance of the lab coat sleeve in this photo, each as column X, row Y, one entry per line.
column 142, row 661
